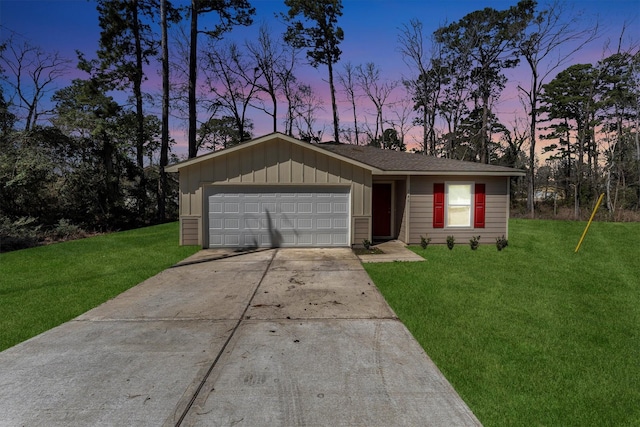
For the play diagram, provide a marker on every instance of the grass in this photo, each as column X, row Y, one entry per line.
column 535, row 334
column 43, row 287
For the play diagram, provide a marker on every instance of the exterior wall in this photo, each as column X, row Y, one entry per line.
column 189, row 234
column 399, row 208
column 361, row 230
column 420, row 210
column 273, row 162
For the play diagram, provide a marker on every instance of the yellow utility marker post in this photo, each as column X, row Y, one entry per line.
column 589, row 223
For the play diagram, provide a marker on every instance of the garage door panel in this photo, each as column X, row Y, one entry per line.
column 340, row 224
column 252, row 223
column 252, row 208
column 305, row 224
column 305, row 208
column 323, row 223
column 340, row 208
column 287, row 224
column 323, row 208
column 288, row 208
column 251, row 216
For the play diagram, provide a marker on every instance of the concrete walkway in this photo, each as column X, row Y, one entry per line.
column 394, row 250
column 276, row 337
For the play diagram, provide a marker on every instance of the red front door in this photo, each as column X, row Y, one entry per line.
column 381, row 201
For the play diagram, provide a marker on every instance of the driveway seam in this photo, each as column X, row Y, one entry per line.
column 224, row 346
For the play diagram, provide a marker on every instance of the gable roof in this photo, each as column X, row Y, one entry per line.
column 379, row 162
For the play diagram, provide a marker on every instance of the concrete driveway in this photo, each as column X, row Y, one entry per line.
column 281, row 337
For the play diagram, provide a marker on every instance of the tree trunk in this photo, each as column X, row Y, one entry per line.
column 193, row 56
column 164, row 144
column 484, row 138
column 638, row 155
column 336, row 124
column 531, row 184
column 137, row 93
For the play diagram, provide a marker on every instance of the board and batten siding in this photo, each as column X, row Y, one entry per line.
column 420, row 210
column 273, row 162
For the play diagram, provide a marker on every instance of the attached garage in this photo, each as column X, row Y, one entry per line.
column 278, row 216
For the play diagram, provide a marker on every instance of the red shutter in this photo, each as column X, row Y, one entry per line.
column 479, row 206
column 438, row 205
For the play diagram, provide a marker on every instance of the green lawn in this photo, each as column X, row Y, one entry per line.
column 535, row 334
column 45, row 286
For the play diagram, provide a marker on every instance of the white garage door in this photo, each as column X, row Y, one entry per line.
column 278, row 216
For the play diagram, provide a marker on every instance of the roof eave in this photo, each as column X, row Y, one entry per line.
column 177, row 166
column 452, row 173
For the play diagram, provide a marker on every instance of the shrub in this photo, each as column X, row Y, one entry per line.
column 18, row 234
column 367, row 244
column 450, row 242
column 64, row 230
column 501, row 243
column 424, row 242
column 474, row 242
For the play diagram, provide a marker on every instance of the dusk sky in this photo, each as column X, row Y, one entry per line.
column 370, row 28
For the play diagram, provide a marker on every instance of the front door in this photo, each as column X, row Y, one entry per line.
column 381, row 210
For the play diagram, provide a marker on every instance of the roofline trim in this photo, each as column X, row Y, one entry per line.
column 451, row 173
column 177, row 166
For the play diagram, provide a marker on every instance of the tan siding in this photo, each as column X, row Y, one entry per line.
column 346, row 172
column 233, row 167
column 246, row 168
column 207, row 174
column 400, row 203
column 271, row 157
column 402, row 234
column 297, row 165
column 260, row 171
column 321, row 169
column 361, row 230
column 309, row 166
column 219, row 167
column 421, row 211
column 190, row 231
column 334, row 171
column 366, row 199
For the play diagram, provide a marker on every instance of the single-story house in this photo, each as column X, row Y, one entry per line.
column 279, row 191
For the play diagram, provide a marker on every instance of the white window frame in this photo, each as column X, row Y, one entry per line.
column 448, row 204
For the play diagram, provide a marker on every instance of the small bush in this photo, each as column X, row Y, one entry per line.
column 64, row 230
column 474, row 242
column 19, row 234
column 424, row 242
column 451, row 241
column 501, row 243
column 367, row 244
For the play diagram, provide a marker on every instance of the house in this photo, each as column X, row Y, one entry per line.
column 279, row 191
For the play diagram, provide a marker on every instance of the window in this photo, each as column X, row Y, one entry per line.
column 457, row 204
column 458, row 200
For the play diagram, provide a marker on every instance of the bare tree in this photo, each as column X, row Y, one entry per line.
column 32, row 75
column 377, row 90
column 267, row 54
column 288, row 84
column 426, row 86
column 306, row 105
column 403, row 113
column 550, row 29
column 233, row 79
column 347, row 79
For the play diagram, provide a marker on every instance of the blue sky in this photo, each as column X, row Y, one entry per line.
column 370, row 27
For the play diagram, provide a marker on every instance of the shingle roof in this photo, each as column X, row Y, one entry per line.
column 395, row 161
